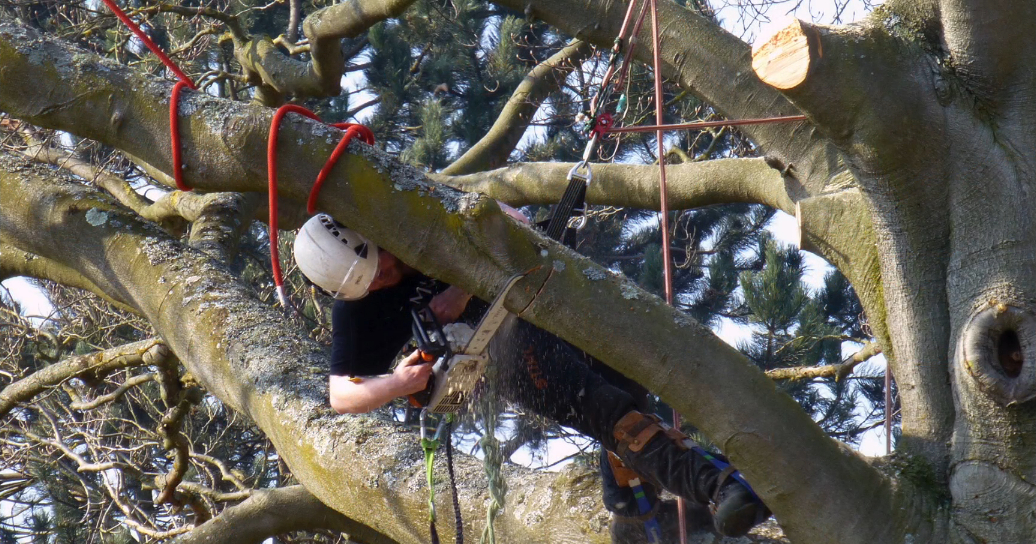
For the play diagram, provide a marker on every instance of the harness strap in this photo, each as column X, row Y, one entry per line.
column 727, row 472
column 647, row 512
column 429, row 445
column 572, row 202
column 627, row 477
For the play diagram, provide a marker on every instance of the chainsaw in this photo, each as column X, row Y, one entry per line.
column 459, row 353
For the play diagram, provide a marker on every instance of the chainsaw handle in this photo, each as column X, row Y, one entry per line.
column 424, row 396
column 428, row 334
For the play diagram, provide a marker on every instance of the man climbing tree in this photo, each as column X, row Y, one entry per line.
column 372, row 322
column 912, row 172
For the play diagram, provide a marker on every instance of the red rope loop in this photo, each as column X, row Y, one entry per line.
column 174, row 100
column 351, row 131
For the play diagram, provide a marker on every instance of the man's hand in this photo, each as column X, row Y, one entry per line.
column 357, row 396
column 412, row 374
column 449, row 304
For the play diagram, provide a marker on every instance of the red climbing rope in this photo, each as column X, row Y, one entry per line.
column 174, row 100
column 667, row 269
column 150, row 44
column 351, row 131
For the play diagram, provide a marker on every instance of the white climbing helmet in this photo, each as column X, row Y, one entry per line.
column 336, row 258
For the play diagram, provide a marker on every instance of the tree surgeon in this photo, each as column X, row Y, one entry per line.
column 371, row 325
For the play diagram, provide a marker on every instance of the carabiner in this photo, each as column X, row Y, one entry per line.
column 438, row 429
column 422, row 421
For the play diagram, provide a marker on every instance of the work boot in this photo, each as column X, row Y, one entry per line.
column 664, row 456
column 736, row 510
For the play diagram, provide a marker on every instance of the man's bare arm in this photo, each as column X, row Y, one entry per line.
column 361, row 395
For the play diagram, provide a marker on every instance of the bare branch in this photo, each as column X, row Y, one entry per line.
column 282, row 75
column 839, row 372
column 130, row 383
column 691, row 185
column 145, row 352
column 494, row 148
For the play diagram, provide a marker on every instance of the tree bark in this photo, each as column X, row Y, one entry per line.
column 915, row 176
column 277, row 377
column 937, row 153
column 464, row 240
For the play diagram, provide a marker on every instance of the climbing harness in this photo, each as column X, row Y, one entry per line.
column 429, row 446
column 651, row 527
column 627, row 477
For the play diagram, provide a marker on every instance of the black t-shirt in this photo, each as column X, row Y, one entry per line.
column 368, row 334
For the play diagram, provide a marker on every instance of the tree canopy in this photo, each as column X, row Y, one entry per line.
column 914, row 174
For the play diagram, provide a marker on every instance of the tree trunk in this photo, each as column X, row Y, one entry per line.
column 915, row 175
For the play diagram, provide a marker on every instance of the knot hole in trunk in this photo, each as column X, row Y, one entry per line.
column 999, row 352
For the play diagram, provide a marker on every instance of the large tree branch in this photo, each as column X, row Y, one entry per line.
column 326, row 28
column 143, row 353
column 271, row 512
column 839, row 372
column 460, row 238
column 715, row 66
column 992, row 45
column 836, row 225
column 494, row 148
column 240, row 351
column 690, row 185
column 15, row 262
column 886, row 102
column 859, row 84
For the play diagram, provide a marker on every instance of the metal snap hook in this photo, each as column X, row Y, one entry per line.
column 574, row 172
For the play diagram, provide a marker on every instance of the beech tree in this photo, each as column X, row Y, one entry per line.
column 914, row 174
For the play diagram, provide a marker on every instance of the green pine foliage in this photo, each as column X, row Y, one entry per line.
column 794, row 328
